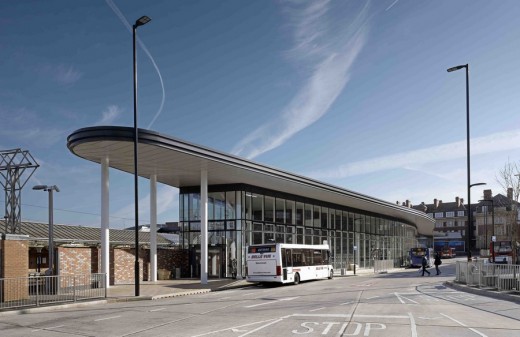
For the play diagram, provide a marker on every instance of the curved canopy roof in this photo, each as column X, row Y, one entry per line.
column 178, row 163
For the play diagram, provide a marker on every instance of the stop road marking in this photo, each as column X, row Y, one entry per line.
column 342, row 328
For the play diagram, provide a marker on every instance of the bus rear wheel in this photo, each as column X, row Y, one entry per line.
column 296, row 278
column 331, row 276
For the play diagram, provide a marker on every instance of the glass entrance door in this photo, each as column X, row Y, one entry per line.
column 215, row 261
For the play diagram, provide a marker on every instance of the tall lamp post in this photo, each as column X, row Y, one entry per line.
column 139, row 22
column 50, row 189
column 466, row 66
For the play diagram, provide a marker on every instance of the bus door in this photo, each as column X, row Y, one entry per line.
column 286, row 262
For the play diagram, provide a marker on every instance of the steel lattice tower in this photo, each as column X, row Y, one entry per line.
column 16, row 167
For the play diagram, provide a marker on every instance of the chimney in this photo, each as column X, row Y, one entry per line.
column 457, row 201
column 408, row 203
column 425, row 208
column 488, row 194
column 435, row 203
column 462, row 201
column 510, row 193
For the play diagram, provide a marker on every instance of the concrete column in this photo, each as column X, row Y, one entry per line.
column 204, row 226
column 153, row 227
column 105, row 222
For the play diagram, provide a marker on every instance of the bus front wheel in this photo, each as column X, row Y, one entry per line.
column 331, row 276
column 296, row 278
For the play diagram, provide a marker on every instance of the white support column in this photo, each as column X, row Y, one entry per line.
column 105, row 221
column 153, row 227
column 204, row 227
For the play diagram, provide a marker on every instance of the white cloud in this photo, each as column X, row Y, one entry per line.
column 497, row 142
column 109, row 115
column 63, row 74
column 330, row 55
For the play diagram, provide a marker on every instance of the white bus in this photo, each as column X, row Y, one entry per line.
column 288, row 263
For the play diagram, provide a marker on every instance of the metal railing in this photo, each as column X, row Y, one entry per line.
column 35, row 291
column 502, row 277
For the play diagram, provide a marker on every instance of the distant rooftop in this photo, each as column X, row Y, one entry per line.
column 67, row 234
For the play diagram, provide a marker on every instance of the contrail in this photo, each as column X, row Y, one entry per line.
column 116, row 10
column 392, row 5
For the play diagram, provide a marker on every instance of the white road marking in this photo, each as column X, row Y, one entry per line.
column 346, row 316
column 317, row 309
column 464, row 325
column 270, row 302
column 106, row 318
column 154, row 310
column 379, row 316
column 400, row 297
column 371, row 298
column 319, row 315
column 346, row 303
column 261, row 327
column 412, row 325
column 234, row 329
column 48, row 328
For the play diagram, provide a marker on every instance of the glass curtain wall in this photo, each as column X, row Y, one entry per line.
column 245, row 215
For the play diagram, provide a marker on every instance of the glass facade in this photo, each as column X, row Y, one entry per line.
column 240, row 215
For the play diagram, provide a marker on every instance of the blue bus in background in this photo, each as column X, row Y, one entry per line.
column 416, row 255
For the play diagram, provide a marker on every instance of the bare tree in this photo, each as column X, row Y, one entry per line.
column 509, row 179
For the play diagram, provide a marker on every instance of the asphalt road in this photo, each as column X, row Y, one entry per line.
column 394, row 304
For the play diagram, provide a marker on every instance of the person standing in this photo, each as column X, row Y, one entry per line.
column 424, row 265
column 437, row 262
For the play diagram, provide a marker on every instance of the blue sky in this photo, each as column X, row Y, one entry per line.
column 353, row 93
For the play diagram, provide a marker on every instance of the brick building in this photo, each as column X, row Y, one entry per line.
column 77, row 251
column 451, row 219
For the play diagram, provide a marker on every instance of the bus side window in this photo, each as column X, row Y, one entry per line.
column 297, row 258
column 307, row 257
column 325, row 255
column 317, row 257
column 288, row 258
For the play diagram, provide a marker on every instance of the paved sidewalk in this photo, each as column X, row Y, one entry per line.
column 512, row 296
column 170, row 288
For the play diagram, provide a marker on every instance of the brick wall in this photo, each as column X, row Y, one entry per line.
column 15, row 263
column 122, row 261
column 77, row 260
column 169, row 259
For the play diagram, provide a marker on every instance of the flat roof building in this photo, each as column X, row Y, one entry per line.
column 251, row 203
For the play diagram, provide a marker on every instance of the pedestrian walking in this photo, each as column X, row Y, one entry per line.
column 424, row 265
column 437, row 262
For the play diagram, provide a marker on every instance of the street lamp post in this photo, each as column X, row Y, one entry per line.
column 468, row 239
column 139, row 22
column 50, row 189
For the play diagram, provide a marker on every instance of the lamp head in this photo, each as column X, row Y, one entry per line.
column 477, row 184
column 457, row 68
column 46, row 188
column 143, row 20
